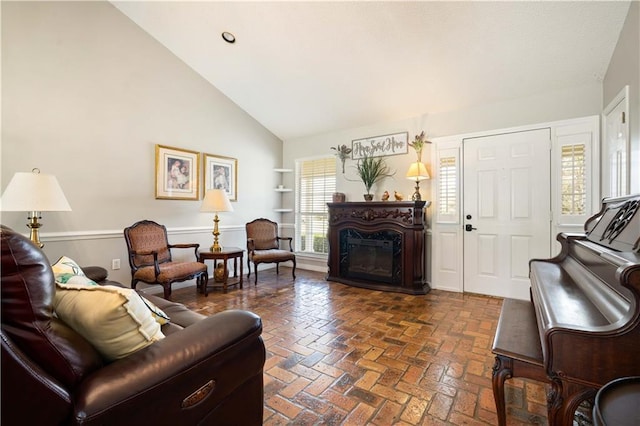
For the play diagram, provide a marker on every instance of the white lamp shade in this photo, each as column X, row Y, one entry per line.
column 34, row 191
column 417, row 171
column 216, row 200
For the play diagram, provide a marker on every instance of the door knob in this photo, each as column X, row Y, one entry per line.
column 469, row 228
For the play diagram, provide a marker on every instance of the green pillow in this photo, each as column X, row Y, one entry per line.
column 67, row 271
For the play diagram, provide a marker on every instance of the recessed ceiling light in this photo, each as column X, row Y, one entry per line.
column 228, row 37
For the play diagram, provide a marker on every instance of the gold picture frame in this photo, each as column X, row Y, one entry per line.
column 177, row 173
column 221, row 173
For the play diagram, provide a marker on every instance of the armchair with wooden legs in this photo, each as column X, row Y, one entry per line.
column 263, row 246
column 151, row 261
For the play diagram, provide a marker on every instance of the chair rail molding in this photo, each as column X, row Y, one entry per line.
column 103, row 234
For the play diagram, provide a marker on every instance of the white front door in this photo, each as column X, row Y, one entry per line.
column 506, row 211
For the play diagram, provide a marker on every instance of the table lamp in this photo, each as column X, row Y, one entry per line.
column 417, row 171
column 34, row 192
column 216, row 201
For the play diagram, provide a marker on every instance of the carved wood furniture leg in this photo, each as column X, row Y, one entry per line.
column 502, row 370
column 517, row 348
column 564, row 400
column 226, row 274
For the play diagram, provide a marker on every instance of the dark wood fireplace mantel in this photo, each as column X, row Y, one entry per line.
column 378, row 245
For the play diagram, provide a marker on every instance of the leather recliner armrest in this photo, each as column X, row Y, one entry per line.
column 222, row 352
column 95, row 273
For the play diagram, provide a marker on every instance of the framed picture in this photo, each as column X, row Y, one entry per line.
column 177, row 174
column 221, row 173
column 379, row 146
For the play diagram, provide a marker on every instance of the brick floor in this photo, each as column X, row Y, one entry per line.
column 339, row 355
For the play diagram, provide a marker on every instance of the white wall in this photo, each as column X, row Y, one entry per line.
column 545, row 107
column 86, row 96
column 624, row 69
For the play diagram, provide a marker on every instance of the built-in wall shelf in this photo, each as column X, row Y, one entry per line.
column 281, row 189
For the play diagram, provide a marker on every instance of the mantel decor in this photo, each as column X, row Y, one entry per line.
column 418, row 144
column 342, row 152
column 177, row 173
column 378, row 245
column 370, row 171
column 380, row 146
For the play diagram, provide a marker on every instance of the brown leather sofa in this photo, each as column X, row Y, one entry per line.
column 207, row 370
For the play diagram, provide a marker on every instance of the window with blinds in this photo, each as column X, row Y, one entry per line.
column 573, row 165
column 315, row 185
column 447, row 186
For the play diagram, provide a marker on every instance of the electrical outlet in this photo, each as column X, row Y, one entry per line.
column 115, row 264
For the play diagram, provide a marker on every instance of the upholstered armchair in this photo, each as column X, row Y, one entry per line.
column 151, row 261
column 204, row 371
column 263, row 246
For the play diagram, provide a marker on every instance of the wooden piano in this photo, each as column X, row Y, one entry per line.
column 581, row 328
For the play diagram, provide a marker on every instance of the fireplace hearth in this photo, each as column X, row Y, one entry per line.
column 378, row 245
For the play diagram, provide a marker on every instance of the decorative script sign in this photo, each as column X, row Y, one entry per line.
column 379, row 146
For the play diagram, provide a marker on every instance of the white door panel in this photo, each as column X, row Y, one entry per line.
column 507, row 205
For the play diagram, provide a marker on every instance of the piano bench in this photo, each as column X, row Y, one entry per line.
column 517, row 348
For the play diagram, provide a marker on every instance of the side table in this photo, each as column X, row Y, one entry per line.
column 224, row 255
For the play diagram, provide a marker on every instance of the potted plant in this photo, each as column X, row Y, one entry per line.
column 371, row 170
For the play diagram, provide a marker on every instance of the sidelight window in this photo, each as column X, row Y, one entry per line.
column 573, row 165
column 447, row 165
column 447, row 185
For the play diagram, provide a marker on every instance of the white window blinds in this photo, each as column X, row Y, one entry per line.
column 573, row 179
column 447, row 185
column 315, row 185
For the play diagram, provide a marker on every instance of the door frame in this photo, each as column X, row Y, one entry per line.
column 447, row 262
column 621, row 98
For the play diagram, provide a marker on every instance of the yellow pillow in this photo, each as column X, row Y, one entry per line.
column 67, row 273
column 115, row 320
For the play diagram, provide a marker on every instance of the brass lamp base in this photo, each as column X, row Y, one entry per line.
column 416, row 195
column 34, row 226
column 216, row 246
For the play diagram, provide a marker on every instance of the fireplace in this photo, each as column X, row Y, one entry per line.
column 370, row 256
column 378, row 245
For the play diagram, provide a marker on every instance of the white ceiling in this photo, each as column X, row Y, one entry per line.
column 305, row 68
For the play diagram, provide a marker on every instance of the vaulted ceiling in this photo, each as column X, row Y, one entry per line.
column 305, row 68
